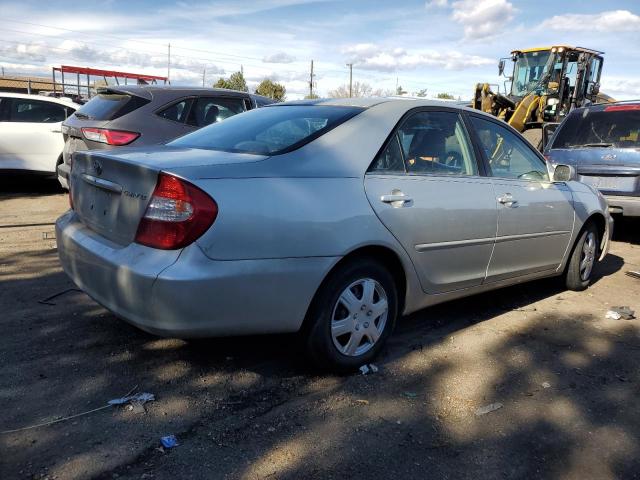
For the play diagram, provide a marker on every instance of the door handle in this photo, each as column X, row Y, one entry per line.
column 394, row 198
column 508, row 200
column 56, row 131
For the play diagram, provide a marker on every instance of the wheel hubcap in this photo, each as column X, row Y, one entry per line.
column 354, row 334
column 588, row 256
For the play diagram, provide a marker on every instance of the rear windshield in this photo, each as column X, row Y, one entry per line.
column 270, row 130
column 616, row 126
column 109, row 106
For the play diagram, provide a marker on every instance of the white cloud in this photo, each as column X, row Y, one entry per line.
column 25, row 52
column 436, row 3
column 482, row 18
column 279, row 57
column 621, row 88
column 611, row 21
column 368, row 56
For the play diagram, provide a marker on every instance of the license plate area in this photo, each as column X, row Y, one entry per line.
column 616, row 184
column 99, row 207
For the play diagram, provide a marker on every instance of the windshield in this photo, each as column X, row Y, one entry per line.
column 529, row 70
column 269, row 130
column 617, row 126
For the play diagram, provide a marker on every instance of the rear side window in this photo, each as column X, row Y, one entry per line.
column 270, row 130
column 210, row 110
column 616, row 126
column 432, row 143
column 109, row 106
column 177, row 112
column 33, row 111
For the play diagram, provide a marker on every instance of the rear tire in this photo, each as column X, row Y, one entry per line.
column 583, row 258
column 351, row 317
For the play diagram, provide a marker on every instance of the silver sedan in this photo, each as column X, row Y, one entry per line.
column 330, row 218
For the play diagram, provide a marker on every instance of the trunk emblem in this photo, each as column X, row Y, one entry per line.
column 97, row 167
column 609, row 156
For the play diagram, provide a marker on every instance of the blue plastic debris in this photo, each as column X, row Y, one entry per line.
column 141, row 398
column 169, row 441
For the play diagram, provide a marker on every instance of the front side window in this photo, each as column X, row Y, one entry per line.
column 211, row 110
column 35, row 111
column 508, row 154
column 270, row 130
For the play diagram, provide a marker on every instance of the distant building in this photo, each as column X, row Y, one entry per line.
column 17, row 84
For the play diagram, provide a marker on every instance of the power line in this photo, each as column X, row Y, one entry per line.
column 10, row 20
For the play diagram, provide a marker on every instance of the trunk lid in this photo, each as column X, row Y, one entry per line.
column 111, row 191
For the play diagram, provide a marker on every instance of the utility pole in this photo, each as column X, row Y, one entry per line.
column 311, row 81
column 169, row 62
column 350, row 65
column 204, row 73
column 242, row 70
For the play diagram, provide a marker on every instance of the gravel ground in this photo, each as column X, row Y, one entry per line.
column 564, row 377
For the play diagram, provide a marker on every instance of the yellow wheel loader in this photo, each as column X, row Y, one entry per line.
column 546, row 84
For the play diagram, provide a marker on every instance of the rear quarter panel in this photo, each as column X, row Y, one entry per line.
column 290, row 217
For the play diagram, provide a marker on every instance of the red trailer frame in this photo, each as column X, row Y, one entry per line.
column 140, row 78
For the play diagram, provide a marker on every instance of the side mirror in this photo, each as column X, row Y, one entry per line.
column 501, row 67
column 564, row 173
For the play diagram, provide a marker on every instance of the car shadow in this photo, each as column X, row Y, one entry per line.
column 13, row 184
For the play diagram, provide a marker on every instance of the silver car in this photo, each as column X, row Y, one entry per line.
column 330, row 218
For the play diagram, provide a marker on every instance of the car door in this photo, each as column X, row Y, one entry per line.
column 426, row 188
column 31, row 134
column 535, row 215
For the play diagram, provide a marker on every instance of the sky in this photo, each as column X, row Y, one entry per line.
column 441, row 46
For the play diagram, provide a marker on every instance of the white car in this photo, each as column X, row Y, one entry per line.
column 30, row 131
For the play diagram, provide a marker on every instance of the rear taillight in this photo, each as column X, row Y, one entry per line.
column 110, row 137
column 177, row 215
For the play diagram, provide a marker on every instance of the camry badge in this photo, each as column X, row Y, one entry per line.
column 609, row 156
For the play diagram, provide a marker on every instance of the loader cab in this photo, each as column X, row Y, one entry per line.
column 565, row 77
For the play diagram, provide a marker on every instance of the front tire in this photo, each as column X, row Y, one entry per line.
column 583, row 258
column 352, row 315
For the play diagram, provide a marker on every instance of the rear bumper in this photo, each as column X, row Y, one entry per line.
column 186, row 294
column 627, row 206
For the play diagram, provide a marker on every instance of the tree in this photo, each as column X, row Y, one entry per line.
column 235, row 82
column 313, row 96
column 271, row 89
column 400, row 91
column 445, row 96
column 360, row 89
column 421, row 93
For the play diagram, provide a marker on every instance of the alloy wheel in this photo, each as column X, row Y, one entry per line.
column 588, row 257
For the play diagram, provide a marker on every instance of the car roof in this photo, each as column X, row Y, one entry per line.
column 62, row 101
column 150, row 91
column 367, row 102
